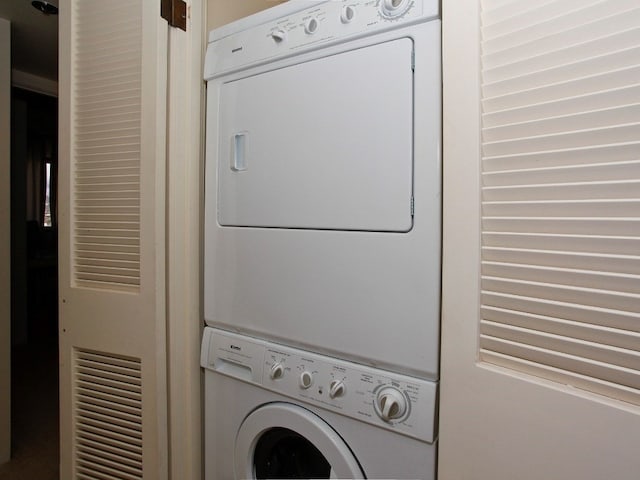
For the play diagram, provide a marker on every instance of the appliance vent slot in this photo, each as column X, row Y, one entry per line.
column 108, row 414
column 106, row 148
column 561, row 193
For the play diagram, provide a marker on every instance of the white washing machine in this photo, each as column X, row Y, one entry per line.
column 278, row 412
column 323, row 180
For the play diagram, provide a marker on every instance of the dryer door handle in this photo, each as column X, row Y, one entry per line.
column 239, row 152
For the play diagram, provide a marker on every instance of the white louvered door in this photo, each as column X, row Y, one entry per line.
column 113, row 392
column 541, row 300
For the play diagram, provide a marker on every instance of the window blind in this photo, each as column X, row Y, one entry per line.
column 561, row 192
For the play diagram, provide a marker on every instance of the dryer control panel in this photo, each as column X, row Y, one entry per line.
column 289, row 29
column 391, row 401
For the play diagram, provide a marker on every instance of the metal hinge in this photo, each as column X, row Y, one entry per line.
column 174, row 12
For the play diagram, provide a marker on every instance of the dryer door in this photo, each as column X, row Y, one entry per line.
column 281, row 440
column 323, row 144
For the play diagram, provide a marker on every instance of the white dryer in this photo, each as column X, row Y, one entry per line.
column 276, row 412
column 323, row 180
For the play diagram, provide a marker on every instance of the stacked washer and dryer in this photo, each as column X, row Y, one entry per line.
column 322, row 242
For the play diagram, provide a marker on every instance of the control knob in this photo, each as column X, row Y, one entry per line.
column 336, row 388
column 277, row 371
column 347, row 14
column 394, row 8
column 311, row 26
column 391, row 404
column 306, row 379
column 279, row 35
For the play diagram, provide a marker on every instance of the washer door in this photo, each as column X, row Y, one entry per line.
column 281, row 440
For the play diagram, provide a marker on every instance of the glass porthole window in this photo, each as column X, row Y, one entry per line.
column 285, row 441
column 283, row 453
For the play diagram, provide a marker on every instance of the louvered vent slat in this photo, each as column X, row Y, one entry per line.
column 551, row 307
column 574, row 105
column 110, row 458
column 108, row 134
column 108, row 130
column 108, row 415
column 95, row 103
column 575, row 243
column 113, row 85
column 119, row 242
column 127, row 403
column 94, row 79
column 115, row 421
column 91, row 427
column 106, row 145
column 88, row 250
column 106, row 210
column 91, row 401
column 562, row 90
column 108, row 194
column 90, row 467
column 567, row 328
column 567, row 260
column 111, row 445
column 107, row 163
column 561, row 192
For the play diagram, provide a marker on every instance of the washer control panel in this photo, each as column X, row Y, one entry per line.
column 295, row 30
column 392, row 401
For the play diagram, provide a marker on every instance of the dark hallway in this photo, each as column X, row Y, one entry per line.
column 34, row 289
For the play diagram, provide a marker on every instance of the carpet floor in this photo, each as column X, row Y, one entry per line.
column 34, row 417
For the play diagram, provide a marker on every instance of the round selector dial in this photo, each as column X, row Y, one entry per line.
column 306, row 380
column 279, row 36
column 337, row 388
column 391, row 404
column 394, row 8
column 311, row 26
column 347, row 14
column 276, row 371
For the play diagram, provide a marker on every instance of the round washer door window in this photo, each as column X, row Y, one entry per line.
column 285, row 441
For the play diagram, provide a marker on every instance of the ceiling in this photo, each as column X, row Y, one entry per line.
column 34, row 38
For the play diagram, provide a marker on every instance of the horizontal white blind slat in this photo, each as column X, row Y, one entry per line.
column 564, row 64
column 580, row 193
column 576, row 243
column 611, row 134
column 564, row 327
column 616, row 115
column 575, row 104
column 544, row 19
column 589, row 349
column 588, row 296
column 598, row 172
column 567, row 259
column 595, row 83
column 575, row 208
column 528, row 304
column 601, row 280
column 599, row 226
column 580, row 364
column 561, row 192
column 603, row 27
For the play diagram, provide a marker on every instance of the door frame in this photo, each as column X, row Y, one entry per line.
column 5, row 241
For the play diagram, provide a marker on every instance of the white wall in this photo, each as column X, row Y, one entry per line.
column 221, row 12
column 5, row 240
